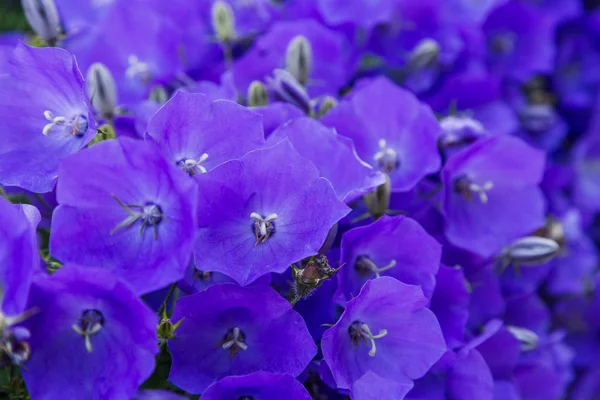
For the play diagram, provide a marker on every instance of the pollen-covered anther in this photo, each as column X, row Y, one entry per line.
column 386, row 157
column 90, row 323
column 234, row 340
column 193, row 167
column 359, row 331
column 263, row 227
column 364, row 265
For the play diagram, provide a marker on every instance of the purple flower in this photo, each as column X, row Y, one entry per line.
column 276, row 114
column 157, row 395
column 90, row 327
column 450, row 303
column 586, row 156
column 519, row 40
column 18, row 255
column 364, row 14
column 333, row 154
column 391, row 130
column 259, row 385
column 147, row 52
column 198, row 134
column 263, row 212
column 46, row 116
column 489, row 186
column 231, row 330
column 385, row 339
column 391, row 246
column 328, row 62
column 125, row 208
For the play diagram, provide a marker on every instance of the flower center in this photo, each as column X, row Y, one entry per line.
column 467, row 188
column 14, row 348
column 529, row 339
column 245, row 398
column 150, row 215
column 193, row 167
column 365, row 266
column 137, row 68
column 359, row 331
column 204, row 276
column 503, row 43
column 263, row 227
column 90, row 323
column 75, row 126
column 386, row 157
column 234, row 340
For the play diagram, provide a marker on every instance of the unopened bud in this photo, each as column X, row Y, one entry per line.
column 378, row 201
column 166, row 328
column 43, row 18
column 257, row 94
column 531, row 250
column 324, row 105
column 529, row 339
column 537, row 117
column 298, row 58
column 425, row 54
column 288, row 89
column 223, row 21
column 159, row 95
column 102, row 89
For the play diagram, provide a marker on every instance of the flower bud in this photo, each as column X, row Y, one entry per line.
column 378, row 201
column 102, row 89
column 537, row 117
column 288, row 89
column 531, row 250
column 324, row 105
column 425, row 54
column 105, row 132
column 529, row 339
column 257, row 95
column 223, row 21
column 43, row 18
column 298, row 58
column 159, row 95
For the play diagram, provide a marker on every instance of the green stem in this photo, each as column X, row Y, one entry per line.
column 163, row 306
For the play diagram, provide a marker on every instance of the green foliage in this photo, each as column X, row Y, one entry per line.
column 12, row 18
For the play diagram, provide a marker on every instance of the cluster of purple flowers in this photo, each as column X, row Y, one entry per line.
column 300, row 199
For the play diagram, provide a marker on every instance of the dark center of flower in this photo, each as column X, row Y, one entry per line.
column 503, row 43
column 360, row 331
column 467, row 188
column 193, row 166
column 234, row 340
column 14, row 348
column 245, row 398
column 263, row 227
column 204, row 276
column 74, row 126
column 365, row 267
column 386, row 157
column 149, row 214
column 90, row 323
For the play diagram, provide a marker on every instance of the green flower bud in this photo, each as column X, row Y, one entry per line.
column 223, row 22
column 378, row 201
column 257, row 94
column 298, row 58
column 326, row 104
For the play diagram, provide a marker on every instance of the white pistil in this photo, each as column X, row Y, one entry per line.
column 54, row 121
column 371, row 337
column 262, row 226
column 376, row 270
column 190, row 164
column 386, row 157
column 235, row 341
column 137, row 68
column 481, row 190
column 87, row 334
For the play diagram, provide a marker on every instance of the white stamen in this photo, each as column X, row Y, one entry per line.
column 262, row 225
column 54, row 121
column 529, row 339
column 481, row 190
column 191, row 164
column 386, row 157
column 372, row 337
